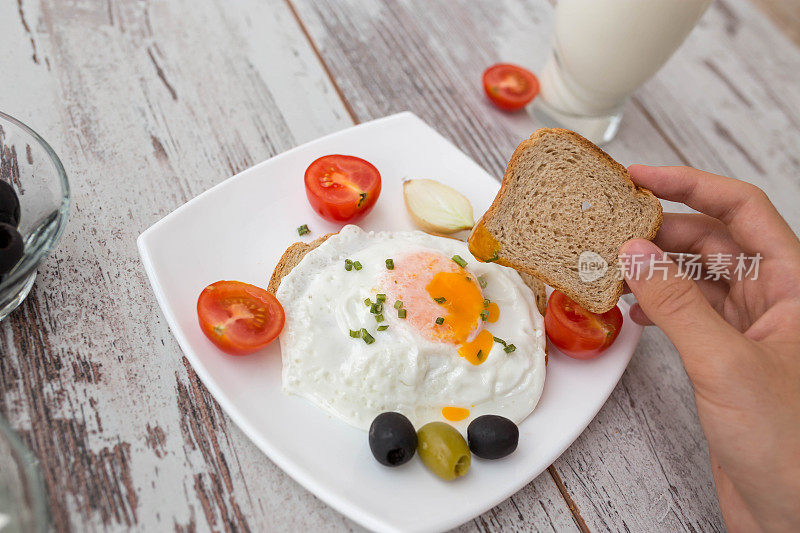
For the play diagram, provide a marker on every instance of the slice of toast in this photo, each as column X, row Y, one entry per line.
column 564, row 209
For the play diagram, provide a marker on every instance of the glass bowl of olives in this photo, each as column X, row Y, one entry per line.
column 34, row 202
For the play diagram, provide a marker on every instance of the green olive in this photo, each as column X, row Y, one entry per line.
column 443, row 450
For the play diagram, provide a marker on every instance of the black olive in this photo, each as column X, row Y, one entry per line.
column 492, row 436
column 11, row 247
column 9, row 204
column 392, row 439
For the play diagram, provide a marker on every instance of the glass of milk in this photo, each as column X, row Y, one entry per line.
column 603, row 50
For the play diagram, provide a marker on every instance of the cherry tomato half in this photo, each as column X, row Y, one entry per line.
column 510, row 87
column 238, row 317
column 578, row 332
column 342, row 188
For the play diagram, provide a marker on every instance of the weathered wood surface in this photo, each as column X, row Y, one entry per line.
column 151, row 102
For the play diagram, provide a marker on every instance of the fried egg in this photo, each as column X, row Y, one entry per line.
column 409, row 322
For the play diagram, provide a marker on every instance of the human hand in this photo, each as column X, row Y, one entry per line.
column 739, row 339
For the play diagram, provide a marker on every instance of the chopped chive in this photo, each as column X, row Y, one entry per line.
column 383, row 328
column 367, row 302
column 459, row 261
column 439, row 300
column 356, row 265
column 355, row 333
column 380, row 297
column 492, row 259
column 348, row 265
column 479, row 355
column 369, row 339
column 482, row 281
column 302, row 230
column 510, row 348
column 398, row 304
column 440, row 321
column 499, row 340
column 484, row 315
column 361, row 197
column 401, row 313
column 390, row 264
column 376, row 308
column 486, row 302
column 378, row 318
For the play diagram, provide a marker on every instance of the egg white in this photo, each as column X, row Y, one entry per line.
column 402, row 370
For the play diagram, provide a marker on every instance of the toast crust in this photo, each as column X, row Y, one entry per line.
column 485, row 247
column 290, row 258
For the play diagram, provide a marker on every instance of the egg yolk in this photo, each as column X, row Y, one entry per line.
column 444, row 302
column 455, row 414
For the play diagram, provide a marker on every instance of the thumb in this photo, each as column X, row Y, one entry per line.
column 672, row 301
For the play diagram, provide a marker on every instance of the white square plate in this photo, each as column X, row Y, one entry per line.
column 239, row 229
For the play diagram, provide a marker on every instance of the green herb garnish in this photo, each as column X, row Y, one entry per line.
column 484, row 315
column 380, row 297
column 383, row 328
column 401, row 313
column 367, row 302
column 499, row 340
column 440, row 320
column 355, row 333
column 361, row 197
column 439, row 300
column 479, row 355
column 302, row 230
column 510, row 348
column 379, row 318
column 376, row 308
column 459, row 261
column 390, row 264
column 348, row 265
column 398, row 304
column 369, row 339
column 356, row 265
column 492, row 259
column 482, row 281
column 486, row 302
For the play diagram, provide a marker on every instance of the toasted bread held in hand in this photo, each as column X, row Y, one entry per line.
column 565, row 207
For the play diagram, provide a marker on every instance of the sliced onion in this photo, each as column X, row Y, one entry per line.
column 437, row 208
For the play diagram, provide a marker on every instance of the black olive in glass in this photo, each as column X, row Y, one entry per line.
column 11, row 247
column 392, row 439
column 492, row 436
column 9, row 204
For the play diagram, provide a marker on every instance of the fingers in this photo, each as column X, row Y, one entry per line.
column 714, row 291
column 743, row 208
column 695, row 234
column 674, row 304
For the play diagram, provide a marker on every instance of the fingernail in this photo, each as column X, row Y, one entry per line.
column 637, row 256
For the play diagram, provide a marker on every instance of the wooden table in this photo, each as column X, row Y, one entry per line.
column 151, row 102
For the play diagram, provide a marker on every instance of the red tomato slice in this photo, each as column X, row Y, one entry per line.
column 510, row 87
column 238, row 317
column 578, row 332
column 342, row 188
